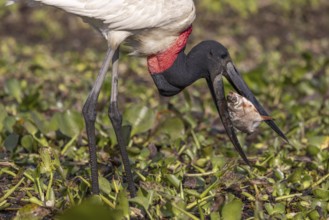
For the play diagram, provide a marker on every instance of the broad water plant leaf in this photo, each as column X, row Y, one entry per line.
column 13, row 88
column 92, row 208
column 8, row 123
column 28, row 142
column 232, row 210
column 140, row 117
column 144, row 200
column 70, row 123
column 321, row 193
column 104, row 185
column 31, row 212
column 41, row 122
column 30, row 127
column 277, row 208
column 173, row 127
column 11, row 142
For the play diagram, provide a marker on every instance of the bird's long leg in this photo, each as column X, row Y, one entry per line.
column 116, row 120
column 89, row 114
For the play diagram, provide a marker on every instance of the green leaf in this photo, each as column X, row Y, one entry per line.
column 142, row 201
column 140, row 117
column 3, row 115
column 321, row 193
column 214, row 216
column 144, row 198
column 279, row 208
column 320, row 142
column 41, row 122
column 123, row 203
column 104, row 185
column 70, row 123
column 296, row 176
column 13, row 88
column 314, row 215
column 91, row 208
column 173, row 180
column 9, row 123
column 173, row 127
column 232, row 210
column 11, row 142
column 30, row 127
column 27, row 142
column 275, row 209
column 31, row 212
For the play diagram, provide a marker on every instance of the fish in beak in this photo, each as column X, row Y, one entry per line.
column 216, row 86
column 243, row 113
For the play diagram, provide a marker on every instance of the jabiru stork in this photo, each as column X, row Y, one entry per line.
column 157, row 29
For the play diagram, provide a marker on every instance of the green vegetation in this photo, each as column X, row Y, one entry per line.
column 184, row 165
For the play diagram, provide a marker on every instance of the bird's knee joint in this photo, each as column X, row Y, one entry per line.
column 114, row 113
column 89, row 113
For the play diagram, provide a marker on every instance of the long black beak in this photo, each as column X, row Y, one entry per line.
column 234, row 77
column 216, row 87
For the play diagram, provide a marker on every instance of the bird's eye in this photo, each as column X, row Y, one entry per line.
column 223, row 56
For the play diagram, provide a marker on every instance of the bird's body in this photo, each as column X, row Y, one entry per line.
column 148, row 26
column 243, row 114
column 158, row 29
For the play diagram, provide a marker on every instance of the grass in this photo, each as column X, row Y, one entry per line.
column 184, row 165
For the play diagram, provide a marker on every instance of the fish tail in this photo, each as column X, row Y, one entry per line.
column 266, row 118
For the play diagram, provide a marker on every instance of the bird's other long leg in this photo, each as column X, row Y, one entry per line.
column 89, row 114
column 116, row 120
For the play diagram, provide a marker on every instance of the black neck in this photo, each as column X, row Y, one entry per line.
column 186, row 69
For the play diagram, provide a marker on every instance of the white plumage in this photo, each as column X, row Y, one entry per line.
column 149, row 26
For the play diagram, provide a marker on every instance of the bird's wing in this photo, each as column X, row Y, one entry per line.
column 129, row 14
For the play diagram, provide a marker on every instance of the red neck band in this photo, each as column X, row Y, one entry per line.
column 160, row 62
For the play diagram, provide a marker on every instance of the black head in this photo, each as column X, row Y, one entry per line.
column 217, row 58
column 213, row 56
column 219, row 64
